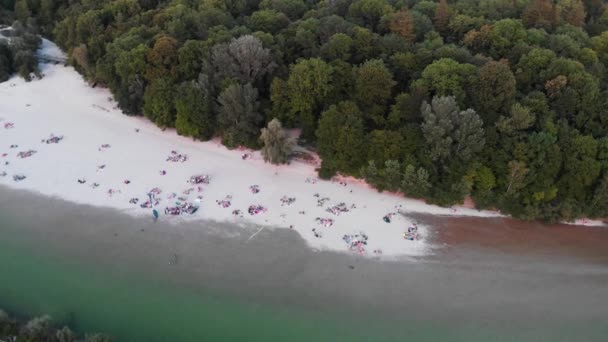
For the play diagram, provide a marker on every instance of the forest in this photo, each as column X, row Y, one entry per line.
column 503, row 101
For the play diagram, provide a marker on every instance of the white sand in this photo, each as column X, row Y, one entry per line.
column 63, row 104
column 587, row 223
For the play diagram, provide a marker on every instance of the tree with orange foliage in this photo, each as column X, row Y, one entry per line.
column 573, row 12
column 402, row 24
column 540, row 14
column 442, row 16
column 163, row 58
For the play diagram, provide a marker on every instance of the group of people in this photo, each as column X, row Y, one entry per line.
column 412, row 232
column 255, row 209
column 104, row 147
column 326, row 222
column 200, row 179
column 321, row 200
column 182, row 204
column 287, row 200
column 148, row 204
column 339, row 208
column 26, row 154
column 181, row 208
column 356, row 242
column 225, row 203
column 53, row 139
column 177, row 157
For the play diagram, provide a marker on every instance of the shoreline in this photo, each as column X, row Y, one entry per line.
column 90, row 142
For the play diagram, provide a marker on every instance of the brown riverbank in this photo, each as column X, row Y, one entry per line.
column 513, row 236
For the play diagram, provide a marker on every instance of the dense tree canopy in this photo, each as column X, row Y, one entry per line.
column 505, row 101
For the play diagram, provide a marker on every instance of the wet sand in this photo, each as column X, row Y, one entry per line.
column 515, row 237
column 479, row 281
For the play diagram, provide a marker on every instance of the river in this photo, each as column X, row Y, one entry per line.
column 98, row 269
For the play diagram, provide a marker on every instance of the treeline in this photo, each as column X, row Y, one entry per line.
column 501, row 100
column 40, row 329
column 18, row 47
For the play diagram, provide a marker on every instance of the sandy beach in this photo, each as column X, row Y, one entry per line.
column 60, row 137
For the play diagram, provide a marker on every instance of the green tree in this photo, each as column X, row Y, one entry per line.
column 158, row 102
column 447, row 77
column 369, row 12
column 373, row 85
column 599, row 201
column 26, row 63
column 244, row 59
column 532, row 67
column 484, row 182
column 364, row 44
column 6, row 62
column 339, row 46
column 268, row 21
column 600, row 45
column 505, row 35
column 406, row 109
column 450, row 132
column 294, row 9
column 415, row 182
column 308, row 87
column 384, row 145
column 392, row 175
column 194, row 115
column 277, row 145
column 580, row 168
column 521, row 118
column 341, row 139
column 22, row 10
column 494, row 90
column 191, row 56
column 371, row 174
column 239, row 116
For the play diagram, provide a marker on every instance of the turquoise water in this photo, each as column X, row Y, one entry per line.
column 48, row 268
column 137, row 309
column 133, row 307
